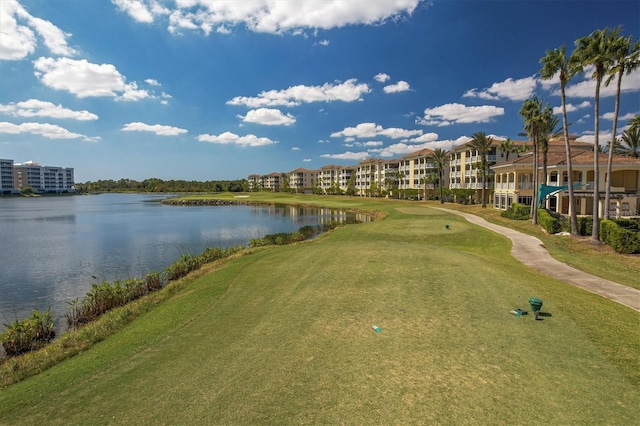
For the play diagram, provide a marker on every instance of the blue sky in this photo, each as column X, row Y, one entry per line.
column 206, row 90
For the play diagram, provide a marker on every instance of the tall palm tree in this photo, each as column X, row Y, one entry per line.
column 555, row 62
column 440, row 158
column 507, row 147
column 627, row 59
column 482, row 144
column 531, row 111
column 629, row 145
column 595, row 50
column 548, row 129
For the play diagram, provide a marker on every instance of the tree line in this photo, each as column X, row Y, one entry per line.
column 159, row 185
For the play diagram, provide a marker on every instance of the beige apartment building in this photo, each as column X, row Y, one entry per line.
column 374, row 176
column 417, row 172
column 271, row 182
column 514, row 181
column 302, row 180
column 334, row 179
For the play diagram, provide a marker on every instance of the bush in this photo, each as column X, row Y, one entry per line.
column 585, row 225
column 548, row 222
column 28, row 334
column 620, row 239
column 517, row 211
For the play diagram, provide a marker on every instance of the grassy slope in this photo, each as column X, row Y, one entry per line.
column 284, row 336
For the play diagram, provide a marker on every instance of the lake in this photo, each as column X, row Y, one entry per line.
column 52, row 249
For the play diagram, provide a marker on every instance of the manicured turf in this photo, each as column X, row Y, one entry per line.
column 284, row 335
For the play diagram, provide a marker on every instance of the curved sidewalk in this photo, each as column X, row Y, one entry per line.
column 531, row 251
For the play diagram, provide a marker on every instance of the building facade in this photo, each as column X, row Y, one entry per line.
column 43, row 179
column 514, row 182
column 6, row 177
column 334, row 179
column 303, row 180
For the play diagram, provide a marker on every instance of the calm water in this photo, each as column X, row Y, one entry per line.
column 52, row 249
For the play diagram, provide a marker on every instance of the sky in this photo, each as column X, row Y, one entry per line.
column 221, row 89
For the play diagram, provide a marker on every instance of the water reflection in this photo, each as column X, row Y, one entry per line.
column 54, row 248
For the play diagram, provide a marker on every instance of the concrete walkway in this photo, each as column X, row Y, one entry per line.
column 531, row 251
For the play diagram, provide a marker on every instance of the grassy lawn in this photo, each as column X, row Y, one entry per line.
column 284, row 336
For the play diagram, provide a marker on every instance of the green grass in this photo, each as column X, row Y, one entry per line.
column 600, row 260
column 283, row 336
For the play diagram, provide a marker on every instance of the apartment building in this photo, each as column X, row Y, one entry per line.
column 514, row 182
column 6, row 177
column 417, row 172
column 334, row 179
column 375, row 175
column 303, row 180
column 43, row 179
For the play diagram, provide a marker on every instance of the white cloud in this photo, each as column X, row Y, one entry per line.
column 269, row 16
column 589, row 136
column 349, row 91
column 347, row 156
column 571, row 107
column 136, row 9
column 268, row 117
column 610, row 116
column 306, row 160
column 515, row 90
column 427, row 137
column 587, row 87
column 158, row 129
column 381, row 77
column 85, row 79
column 295, row 148
column 371, row 130
column 152, row 82
column 401, row 86
column 50, row 131
column 37, row 108
column 18, row 40
column 324, row 43
column 228, row 138
column 454, row 113
column 363, row 144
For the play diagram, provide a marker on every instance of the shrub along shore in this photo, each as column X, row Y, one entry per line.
column 283, row 334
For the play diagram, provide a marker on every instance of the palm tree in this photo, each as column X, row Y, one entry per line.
column 482, row 144
column 595, row 50
column 507, row 147
column 440, row 158
column 548, row 129
column 531, row 111
column 555, row 62
column 627, row 59
column 428, row 179
column 629, row 145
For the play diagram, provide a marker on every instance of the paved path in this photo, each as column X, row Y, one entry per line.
column 531, row 251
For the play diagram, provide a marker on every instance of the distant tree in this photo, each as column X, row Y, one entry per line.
column 507, row 147
column 26, row 190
